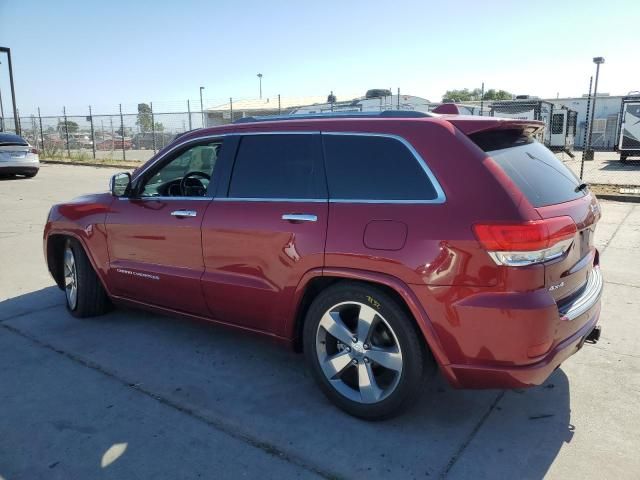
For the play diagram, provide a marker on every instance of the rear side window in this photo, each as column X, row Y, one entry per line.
column 276, row 166
column 537, row 172
column 365, row 167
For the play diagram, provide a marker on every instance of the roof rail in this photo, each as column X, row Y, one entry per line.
column 307, row 116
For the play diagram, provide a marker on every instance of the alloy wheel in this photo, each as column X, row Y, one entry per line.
column 70, row 278
column 358, row 352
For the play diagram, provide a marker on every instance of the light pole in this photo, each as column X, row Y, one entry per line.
column 16, row 119
column 260, row 80
column 588, row 154
column 1, row 111
column 201, row 107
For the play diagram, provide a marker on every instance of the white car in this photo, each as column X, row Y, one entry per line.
column 17, row 157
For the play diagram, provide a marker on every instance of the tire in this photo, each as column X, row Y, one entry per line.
column 84, row 292
column 623, row 158
column 344, row 369
column 31, row 174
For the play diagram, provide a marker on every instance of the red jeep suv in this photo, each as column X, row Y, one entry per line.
column 383, row 246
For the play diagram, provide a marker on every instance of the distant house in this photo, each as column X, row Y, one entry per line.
column 229, row 112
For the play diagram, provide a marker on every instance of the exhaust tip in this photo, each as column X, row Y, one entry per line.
column 594, row 335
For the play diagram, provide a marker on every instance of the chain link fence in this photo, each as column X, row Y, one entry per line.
column 136, row 132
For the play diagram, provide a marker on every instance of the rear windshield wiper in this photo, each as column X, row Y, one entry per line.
column 582, row 186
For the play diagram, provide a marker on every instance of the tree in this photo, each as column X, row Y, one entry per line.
column 159, row 127
column 145, row 117
column 466, row 95
column 492, row 94
column 71, row 127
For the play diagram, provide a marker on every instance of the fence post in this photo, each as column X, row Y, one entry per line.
column 279, row 109
column 231, row 108
column 41, row 132
column 66, row 129
column 93, row 134
column 124, row 156
column 153, row 127
column 586, row 124
column 189, row 111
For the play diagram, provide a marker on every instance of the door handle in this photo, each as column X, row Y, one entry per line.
column 299, row 217
column 184, row 213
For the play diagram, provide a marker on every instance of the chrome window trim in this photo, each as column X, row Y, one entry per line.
column 255, row 199
column 440, row 195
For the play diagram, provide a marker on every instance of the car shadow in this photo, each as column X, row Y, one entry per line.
column 615, row 165
column 253, row 387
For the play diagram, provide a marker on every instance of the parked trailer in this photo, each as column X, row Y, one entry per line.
column 560, row 122
column 629, row 127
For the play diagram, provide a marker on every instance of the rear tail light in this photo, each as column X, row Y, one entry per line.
column 526, row 243
column 33, row 150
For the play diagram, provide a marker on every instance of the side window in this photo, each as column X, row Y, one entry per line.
column 557, row 123
column 362, row 167
column 186, row 175
column 276, row 166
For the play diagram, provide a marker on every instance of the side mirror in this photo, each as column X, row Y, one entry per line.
column 120, row 184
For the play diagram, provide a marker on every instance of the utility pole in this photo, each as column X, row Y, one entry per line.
column 260, row 81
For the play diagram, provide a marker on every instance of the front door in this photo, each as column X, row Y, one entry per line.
column 154, row 237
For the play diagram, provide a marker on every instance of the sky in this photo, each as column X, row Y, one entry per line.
column 105, row 53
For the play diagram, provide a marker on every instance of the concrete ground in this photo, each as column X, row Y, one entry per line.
column 136, row 395
column 605, row 168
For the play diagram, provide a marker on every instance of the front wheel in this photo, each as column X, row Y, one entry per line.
column 85, row 294
column 364, row 351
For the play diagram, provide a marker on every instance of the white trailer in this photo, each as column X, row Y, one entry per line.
column 559, row 122
column 629, row 127
column 371, row 104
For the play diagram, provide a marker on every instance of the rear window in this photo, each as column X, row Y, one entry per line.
column 537, row 172
column 11, row 139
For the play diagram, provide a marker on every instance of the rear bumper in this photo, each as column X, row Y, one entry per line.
column 19, row 169
column 19, row 166
column 510, row 340
column 465, row 376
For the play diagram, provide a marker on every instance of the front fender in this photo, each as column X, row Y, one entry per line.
column 84, row 220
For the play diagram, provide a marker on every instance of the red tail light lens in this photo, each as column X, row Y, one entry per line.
column 33, row 150
column 525, row 237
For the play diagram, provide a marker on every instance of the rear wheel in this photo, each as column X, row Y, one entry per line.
column 84, row 293
column 364, row 351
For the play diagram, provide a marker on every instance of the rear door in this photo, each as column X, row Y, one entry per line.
column 266, row 231
column 558, row 129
